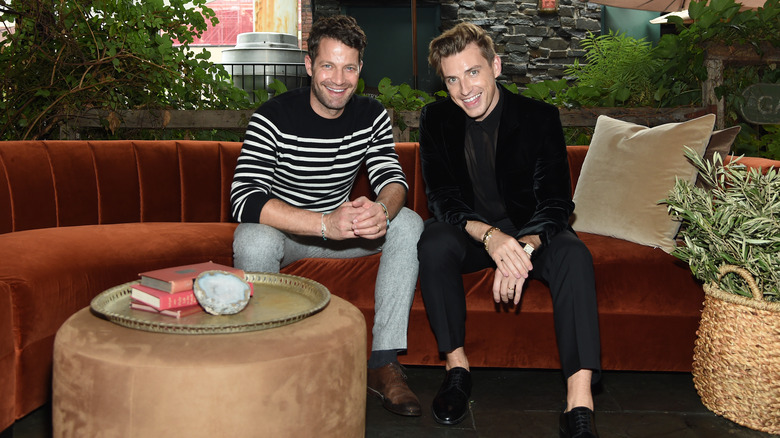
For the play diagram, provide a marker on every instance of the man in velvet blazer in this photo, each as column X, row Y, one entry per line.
column 497, row 178
column 530, row 146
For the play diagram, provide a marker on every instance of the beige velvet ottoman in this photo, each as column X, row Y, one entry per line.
column 304, row 379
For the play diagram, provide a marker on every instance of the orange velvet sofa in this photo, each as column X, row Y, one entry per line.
column 77, row 217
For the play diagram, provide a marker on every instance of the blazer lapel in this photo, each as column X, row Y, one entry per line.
column 454, row 134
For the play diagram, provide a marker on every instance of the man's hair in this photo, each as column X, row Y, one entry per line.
column 340, row 28
column 455, row 40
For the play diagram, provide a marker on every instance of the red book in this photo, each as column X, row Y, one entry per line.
column 180, row 278
column 162, row 300
column 177, row 313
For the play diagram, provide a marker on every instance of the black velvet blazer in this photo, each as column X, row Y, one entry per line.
column 532, row 168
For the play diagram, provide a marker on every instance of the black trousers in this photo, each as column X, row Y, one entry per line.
column 565, row 264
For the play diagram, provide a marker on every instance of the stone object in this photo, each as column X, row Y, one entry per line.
column 221, row 293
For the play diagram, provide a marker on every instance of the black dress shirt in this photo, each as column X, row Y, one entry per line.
column 480, row 149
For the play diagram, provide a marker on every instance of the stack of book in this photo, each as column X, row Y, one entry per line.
column 169, row 291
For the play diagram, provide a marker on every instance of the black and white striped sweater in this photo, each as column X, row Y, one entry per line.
column 292, row 154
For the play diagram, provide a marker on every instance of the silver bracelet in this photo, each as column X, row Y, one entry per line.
column 322, row 226
column 387, row 215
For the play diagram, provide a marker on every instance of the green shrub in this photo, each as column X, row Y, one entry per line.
column 68, row 56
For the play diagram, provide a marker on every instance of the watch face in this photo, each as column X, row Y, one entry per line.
column 528, row 248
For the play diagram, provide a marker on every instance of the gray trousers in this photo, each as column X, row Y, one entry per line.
column 261, row 248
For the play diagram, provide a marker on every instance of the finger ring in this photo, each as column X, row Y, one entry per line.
column 378, row 227
column 501, row 259
column 511, row 288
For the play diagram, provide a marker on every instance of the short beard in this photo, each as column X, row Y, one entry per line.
column 321, row 99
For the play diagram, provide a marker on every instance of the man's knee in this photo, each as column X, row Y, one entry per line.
column 406, row 226
column 257, row 247
column 410, row 221
column 437, row 239
column 568, row 247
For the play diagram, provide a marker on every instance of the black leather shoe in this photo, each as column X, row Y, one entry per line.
column 451, row 403
column 578, row 423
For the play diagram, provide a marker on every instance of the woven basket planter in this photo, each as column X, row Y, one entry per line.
column 736, row 360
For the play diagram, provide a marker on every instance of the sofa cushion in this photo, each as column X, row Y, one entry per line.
column 7, row 360
column 720, row 142
column 629, row 168
column 53, row 272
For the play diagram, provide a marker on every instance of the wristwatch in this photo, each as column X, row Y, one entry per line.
column 528, row 248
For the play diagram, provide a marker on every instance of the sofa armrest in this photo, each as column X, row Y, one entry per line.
column 756, row 162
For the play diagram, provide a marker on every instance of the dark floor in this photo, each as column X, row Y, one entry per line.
column 526, row 403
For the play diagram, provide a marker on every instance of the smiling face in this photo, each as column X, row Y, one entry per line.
column 471, row 81
column 334, row 77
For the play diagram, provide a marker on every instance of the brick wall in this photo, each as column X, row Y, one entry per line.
column 306, row 21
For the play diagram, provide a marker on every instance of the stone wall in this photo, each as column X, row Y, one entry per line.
column 533, row 46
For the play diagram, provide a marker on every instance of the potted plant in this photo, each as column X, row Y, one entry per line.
column 730, row 228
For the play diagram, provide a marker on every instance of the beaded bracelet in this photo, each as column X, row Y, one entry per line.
column 387, row 215
column 322, row 226
column 486, row 236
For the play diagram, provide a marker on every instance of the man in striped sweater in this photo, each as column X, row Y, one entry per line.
column 291, row 189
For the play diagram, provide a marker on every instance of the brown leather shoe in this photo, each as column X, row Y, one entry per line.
column 389, row 384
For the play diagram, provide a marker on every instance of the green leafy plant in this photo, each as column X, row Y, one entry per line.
column 735, row 221
column 511, row 87
column 761, row 141
column 550, row 91
column 68, row 56
column 262, row 95
column 402, row 97
column 678, row 80
column 618, row 70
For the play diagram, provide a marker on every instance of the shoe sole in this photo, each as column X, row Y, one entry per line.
column 451, row 422
column 381, row 397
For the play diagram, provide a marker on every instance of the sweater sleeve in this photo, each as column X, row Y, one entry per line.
column 381, row 159
column 255, row 167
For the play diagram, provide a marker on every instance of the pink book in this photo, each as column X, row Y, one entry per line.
column 180, row 278
column 177, row 313
column 162, row 300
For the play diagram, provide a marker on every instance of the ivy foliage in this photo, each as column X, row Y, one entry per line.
column 68, row 56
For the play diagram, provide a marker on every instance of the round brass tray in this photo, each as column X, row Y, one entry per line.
column 278, row 300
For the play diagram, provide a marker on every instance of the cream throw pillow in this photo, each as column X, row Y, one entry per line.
column 627, row 170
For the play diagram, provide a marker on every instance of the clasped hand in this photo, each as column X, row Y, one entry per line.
column 358, row 218
column 512, row 267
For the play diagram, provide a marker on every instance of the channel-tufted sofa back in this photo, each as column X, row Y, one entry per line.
column 47, row 184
